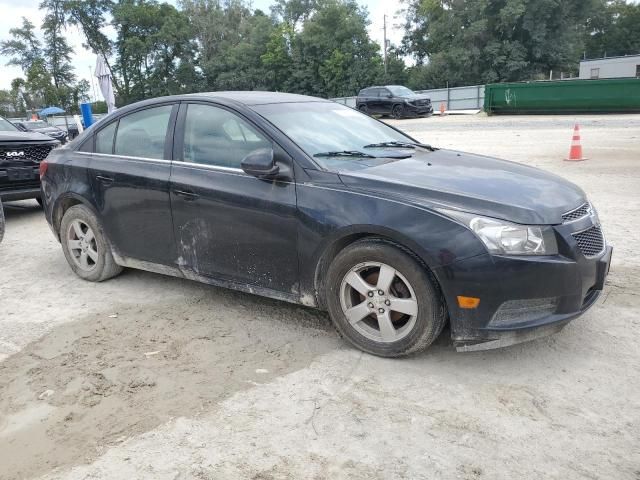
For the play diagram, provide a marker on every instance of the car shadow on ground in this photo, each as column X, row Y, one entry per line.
column 21, row 209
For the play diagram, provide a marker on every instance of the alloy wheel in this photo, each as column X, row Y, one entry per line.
column 378, row 302
column 82, row 245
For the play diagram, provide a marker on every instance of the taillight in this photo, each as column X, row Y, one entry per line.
column 43, row 168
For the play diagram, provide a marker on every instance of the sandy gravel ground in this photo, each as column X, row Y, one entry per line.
column 151, row 377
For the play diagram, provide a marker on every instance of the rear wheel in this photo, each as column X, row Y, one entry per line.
column 85, row 245
column 363, row 109
column 382, row 300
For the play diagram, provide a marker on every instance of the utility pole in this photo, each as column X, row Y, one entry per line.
column 385, row 45
column 93, row 85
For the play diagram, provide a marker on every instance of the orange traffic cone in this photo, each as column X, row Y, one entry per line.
column 575, row 154
column 442, row 109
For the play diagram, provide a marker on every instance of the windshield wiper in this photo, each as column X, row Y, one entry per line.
column 399, row 144
column 345, row 153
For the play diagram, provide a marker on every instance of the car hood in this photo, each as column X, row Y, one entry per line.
column 418, row 96
column 472, row 183
column 23, row 137
column 48, row 130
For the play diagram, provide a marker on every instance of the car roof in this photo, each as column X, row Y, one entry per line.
column 258, row 97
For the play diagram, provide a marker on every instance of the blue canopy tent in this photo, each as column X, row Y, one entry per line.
column 52, row 111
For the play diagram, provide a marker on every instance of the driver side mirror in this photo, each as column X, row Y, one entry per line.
column 261, row 164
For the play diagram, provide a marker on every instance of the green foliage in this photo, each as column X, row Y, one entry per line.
column 315, row 47
column 24, row 48
column 482, row 41
column 613, row 29
column 56, row 52
column 155, row 54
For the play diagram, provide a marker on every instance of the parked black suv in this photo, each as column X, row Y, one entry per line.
column 393, row 100
column 41, row 126
column 20, row 157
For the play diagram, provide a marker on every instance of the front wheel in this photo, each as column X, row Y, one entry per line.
column 85, row 245
column 363, row 109
column 383, row 300
column 397, row 112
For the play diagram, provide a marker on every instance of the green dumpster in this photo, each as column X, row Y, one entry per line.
column 564, row 96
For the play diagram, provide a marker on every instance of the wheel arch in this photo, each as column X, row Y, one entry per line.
column 344, row 238
column 64, row 203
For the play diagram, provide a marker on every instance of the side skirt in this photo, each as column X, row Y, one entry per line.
column 190, row 275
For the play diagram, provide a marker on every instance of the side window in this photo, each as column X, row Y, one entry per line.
column 104, row 138
column 143, row 133
column 215, row 136
column 375, row 92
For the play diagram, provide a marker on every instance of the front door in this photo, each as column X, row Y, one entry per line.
column 129, row 173
column 229, row 225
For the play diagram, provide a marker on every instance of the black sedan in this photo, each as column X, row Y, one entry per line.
column 311, row 202
column 41, row 126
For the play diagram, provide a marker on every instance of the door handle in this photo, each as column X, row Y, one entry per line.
column 105, row 180
column 188, row 196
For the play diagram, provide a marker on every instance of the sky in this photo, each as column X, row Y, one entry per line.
column 84, row 61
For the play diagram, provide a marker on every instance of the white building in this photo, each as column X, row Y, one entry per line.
column 612, row 67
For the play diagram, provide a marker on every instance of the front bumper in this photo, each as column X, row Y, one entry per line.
column 559, row 288
column 418, row 110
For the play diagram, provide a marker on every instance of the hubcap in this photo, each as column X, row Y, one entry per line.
column 378, row 302
column 82, row 245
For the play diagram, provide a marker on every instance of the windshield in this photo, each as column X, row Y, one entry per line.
column 401, row 91
column 7, row 126
column 322, row 127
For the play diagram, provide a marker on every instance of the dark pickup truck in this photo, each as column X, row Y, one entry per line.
column 20, row 157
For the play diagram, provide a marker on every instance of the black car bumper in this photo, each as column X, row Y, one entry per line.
column 418, row 110
column 20, row 194
column 521, row 298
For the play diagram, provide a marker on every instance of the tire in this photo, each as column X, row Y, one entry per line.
column 1, row 221
column 391, row 333
column 363, row 109
column 82, row 237
column 397, row 112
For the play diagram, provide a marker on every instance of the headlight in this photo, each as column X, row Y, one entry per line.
column 504, row 238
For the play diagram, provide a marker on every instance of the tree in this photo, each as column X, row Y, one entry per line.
column 24, row 49
column 482, row 41
column 613, row 29
column 332, row 53
column 155, row 54
column 57, row 52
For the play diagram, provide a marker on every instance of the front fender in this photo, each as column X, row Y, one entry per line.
column 331, row 217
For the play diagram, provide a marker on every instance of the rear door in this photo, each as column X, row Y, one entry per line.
column 129, row 174
column 230, row 225
column 386, row 101
column 374, row 101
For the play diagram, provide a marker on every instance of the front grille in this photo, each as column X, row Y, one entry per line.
column 590, row 241
column 421, row 103
column 514, row 312
column 36, row 153
column 581, row 211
